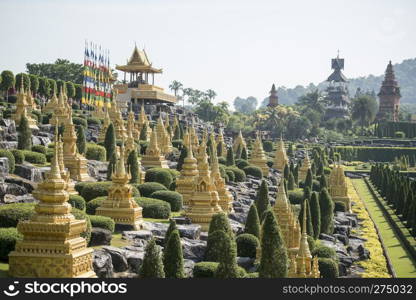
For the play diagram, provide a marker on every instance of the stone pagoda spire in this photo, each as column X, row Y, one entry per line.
column 130, row 143
column 204, row 200
column 142, row 120
column 193, row 135
column 52, row 246
column 280, row 158
column 273, row 99
column 187, row 139
column 220, row 141
column 51, row 105
column 163, row 137
column 239, row 141
column 287, row 220
column 75, row 162
column 121, row 132
column 225, row 197
column 306, row 165
column 186, row 182
column 120, row 204
column 103, row 130
column 153, row 157
column 70, row 184
column 23, row 109
column 131, row 120
column 202, row 147
column 258, row 157
column 338, row 187
column 389, row 96
column 30, row 100
column 61, row 112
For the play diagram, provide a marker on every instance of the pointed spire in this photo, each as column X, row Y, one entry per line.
column 55, row 172
column 304, row 250
column 281, row 198
column 120, row 169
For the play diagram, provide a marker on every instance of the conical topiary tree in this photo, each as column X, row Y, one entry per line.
column 273, row 261
column 219, row 150
column 110, row 141
column 262, row 200
column 173, row 256
column 408, row 204
column 230, row 157
column 291, row 182
column 172, row 227
column 322, row 182
column 309, row 179
column 327, row 212
column 296, row 174
column 315, row 214
column 306, row 208
column 177, row 133
column 286, row 172
column 111, row 165
column 238, row 152
column 24, row 137
column 253, row 222
column 133, row 165
column 244, row 154
column 227, row 267
column 143, row 133
column 182, row 156
column 152, row 266
column 219, row 222
column 81, row 140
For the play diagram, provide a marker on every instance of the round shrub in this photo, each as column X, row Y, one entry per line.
column 222, row 160
column 247, row 245
column 399, row 134
column 148, row 188
column 340, row 206
column 173, row 198
column 75, row 106
column 80, row 121
column 10, row 214
column 154, row 208
column 241, row 163
column 93, row 190
column 49, row 154
column 19, row 157
column 239, row 174
column 324, row 252
column 205, row 269
column 296, row 196
column 95, row 152
column 92, row 205
column 8, row 239
column 174, row 173
column 39, row 149
column 10, row 157
column 79, row 186
column 93, row 121
column 268, row 146
column 103, row 222
column 34, row 157
column 160, row 175
column 77, row 201
column 230, row 175
column 253, row 171
column 328, row 268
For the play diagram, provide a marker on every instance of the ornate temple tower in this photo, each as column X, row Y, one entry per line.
column 280, row 158
column 142, row 121
column 120, row 204
column 23, row 108
column 186, row 182
column 153, row 157
column 121, row 132
column 75, row 162
column 338, row 187
column 239, row 142
column 202, row 147
column 60, row 112
column 306, row 165
column 163, row 137
column 287, row 220
column 52, row 246
column 131, row 122
column 50, row 106
column 103, row 130
column 203, row 203
column 337, row 92
column 65, row 174
column 257, row 157
column 221, row 142
column 273, row 98
column 389, row 96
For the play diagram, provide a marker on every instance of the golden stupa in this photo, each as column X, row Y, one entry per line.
column 280, row 158
column 287, row 220
column 131, row 123
column 186, row 182
column 153, row 157
column 51, row 105
column 258, row 158
column 23, row 108
column 338, row 187
column 202, row 147
column 142, row 121
column 306, row 165
column 301, row 264
column 221, row 142
column 65, row 174
column 120, row 204
column 74, row 161
column 194, row 136
column 239, row 142
column 187, row 140
column 163, row 137
column 104, row 127
column 52, row 246
column 130, row 141
column 224, row 195
column 203, row 203
column 61, row 111
column 30, row 100
column 121, row 132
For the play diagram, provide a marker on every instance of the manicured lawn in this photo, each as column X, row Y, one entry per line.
column 402, row 262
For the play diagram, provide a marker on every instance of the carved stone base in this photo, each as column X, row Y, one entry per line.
column 154, row 162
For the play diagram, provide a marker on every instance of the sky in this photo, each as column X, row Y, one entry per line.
column 237, row 48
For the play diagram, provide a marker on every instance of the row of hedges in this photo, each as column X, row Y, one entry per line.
column 379, row 154
column 95, row 152
column 389, row 129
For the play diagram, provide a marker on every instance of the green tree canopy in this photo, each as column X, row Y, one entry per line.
column 61, row 69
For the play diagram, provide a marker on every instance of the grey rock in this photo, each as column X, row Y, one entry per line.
column 97, row 169
column 102, row 264
column 100, row 236
column 4, row 167
column 363, row 252
column 137, row 235
column 28, row 171
column 118, row 257
column 341, row 237
column 326, row 237
column 8, row 145
column 245, row 262
column 27, row 184
column 193, row 249
column 134, row 260
column 191, row 231
column 236, row 227
column 157, row 229
column 188, row 267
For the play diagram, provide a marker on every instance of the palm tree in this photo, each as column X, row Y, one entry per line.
column 187, row 92
column 313, row 100
column 210, row 94
column 364, row 110
column 175, row 86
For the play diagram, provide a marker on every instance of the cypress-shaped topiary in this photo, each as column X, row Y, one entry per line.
column 182, row 156
column 81, row 140
column 291, row 182
column 111, row 165
column 24, row 137
column 244, row 154
column 143, row 133
column 327, row 212
column 133, row 166
column 253, row 222
column 177, row 133
column 296, row 174
column 173, row 257
column 110, row 141
column 322, row 182
column 172, row 227
column 315, row 214
column 230, row 157
column 401, row 200
column 286, row 172
column 262, row 200
column 273, row 261
column 227, row 267
column 152, row 266
column 220, row 221
column 238, row 152
column 408, row 204
column 309, row 179
column 305, row 208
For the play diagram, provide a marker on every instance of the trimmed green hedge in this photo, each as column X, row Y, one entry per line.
column 93, row 121
column 241, row 163
column 80, row 121
column 148, row 188
column 34, row 157
column 10, row 157
column 154, row 208
column 239, row 175
column 39, row 149
column 10, row 214
column 95, row 152
column 160, row 175
column 19, row 156
column 77, row 201
column 296, row 196
column 175, row 199
column 8, row 239
column 253, row 171
column 93, row 190
column 328, row 268
column 324, row 252
column 379, row 154
column 93, row 204
column 247, row 245
column 103, row 222
column 205, row 269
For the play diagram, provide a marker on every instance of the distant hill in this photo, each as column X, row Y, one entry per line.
column 405, row 75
